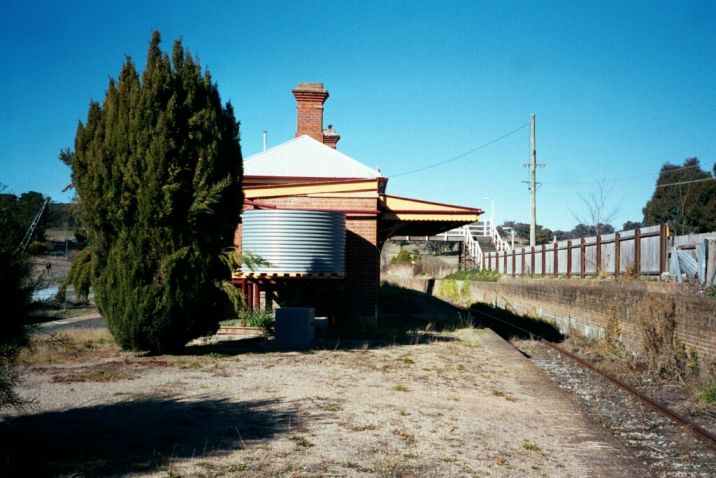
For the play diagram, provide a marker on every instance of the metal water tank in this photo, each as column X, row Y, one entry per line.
column 294, row 241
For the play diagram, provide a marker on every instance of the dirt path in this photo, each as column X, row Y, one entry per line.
column 460, row 403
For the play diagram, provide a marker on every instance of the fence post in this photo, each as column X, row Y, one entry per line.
column 637, row 251
column 544, row 258
column 522, row 269
column 504, row 261
column 514, row 263
column 617, row 254
column 555, row 253
column 582, row 257
column 532, row 261
column 662, row 248
column 599, row 254
column 569, row 259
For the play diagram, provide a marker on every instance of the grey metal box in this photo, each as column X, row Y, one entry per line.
column 295, row 326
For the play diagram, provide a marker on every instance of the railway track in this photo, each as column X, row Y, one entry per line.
column 656, row 442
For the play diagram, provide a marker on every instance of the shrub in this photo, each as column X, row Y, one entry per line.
column 404, row 257
column 157, row 169
column 37, row 248
column 263, row 319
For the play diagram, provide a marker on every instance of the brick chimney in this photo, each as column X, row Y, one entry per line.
column 309, row 105
column 330, row 137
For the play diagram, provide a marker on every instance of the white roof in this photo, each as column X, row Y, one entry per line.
column 308, row 158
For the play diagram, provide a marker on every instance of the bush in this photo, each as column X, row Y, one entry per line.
column 404, row 257
column 263, row 319
column 37, row 248
column 16, row 289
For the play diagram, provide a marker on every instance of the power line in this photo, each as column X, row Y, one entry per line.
column 440, row 163
column 685, row 182
column 625, row 178
column 561, row 190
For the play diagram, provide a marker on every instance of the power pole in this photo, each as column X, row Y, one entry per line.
column 533, row 183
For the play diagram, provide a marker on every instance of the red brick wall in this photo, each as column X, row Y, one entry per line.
column 309, row 107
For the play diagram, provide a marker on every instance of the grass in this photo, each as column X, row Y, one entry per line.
column 530, row 446
column 300, row 441
column 479, row 275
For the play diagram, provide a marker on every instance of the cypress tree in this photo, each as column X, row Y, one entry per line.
column 157, row 168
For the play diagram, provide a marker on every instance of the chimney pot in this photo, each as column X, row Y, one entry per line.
column 330, row 137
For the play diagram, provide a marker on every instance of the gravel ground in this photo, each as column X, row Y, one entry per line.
column 664, row 448
column 455, row 403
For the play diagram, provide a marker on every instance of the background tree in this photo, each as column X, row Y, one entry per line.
column 631, row 225
column 684, row 198
column 16, row 288
column 597, row 212
column 157, row 170
column 543, row 235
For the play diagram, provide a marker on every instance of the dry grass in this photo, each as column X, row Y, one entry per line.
column 663, row 352
column 75, row 345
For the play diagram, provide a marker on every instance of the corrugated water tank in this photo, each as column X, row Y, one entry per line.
column 295, row 241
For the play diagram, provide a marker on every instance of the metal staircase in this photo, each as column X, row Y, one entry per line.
column 478, row 238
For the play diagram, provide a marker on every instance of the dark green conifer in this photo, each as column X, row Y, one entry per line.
column 157, row 168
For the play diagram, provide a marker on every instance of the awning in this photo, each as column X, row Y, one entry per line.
column 414, row 217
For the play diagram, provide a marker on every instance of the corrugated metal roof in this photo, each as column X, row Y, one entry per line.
column 308, row 158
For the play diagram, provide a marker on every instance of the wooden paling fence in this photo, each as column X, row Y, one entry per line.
column 640, row 251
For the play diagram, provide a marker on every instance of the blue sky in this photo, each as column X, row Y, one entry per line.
column 618, row 88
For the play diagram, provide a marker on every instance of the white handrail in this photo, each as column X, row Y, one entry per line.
column 472, row 246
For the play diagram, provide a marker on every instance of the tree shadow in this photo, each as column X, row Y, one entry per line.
column 134, row 436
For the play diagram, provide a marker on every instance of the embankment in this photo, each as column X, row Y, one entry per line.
column 591, row 308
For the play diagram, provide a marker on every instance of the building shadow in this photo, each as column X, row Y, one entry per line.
column 134, row 436
column 509, row 325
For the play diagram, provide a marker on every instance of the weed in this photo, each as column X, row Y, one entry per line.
column 708, row 394
column 236, row 467
column 263, row 319
column 333, row 407
column 300, row 441
column 530, row 446
column 665, row 355
column 355, row 466
column 480, row 275
column 406, row 359
column 403, row 435
column 363, row 428
column 632, row 272
column 448, row 290
column 399, row 387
